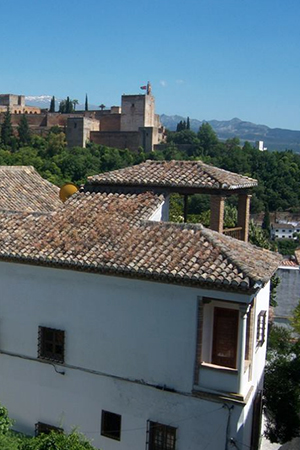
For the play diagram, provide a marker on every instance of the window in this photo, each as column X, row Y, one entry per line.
column 225, row 336
column 161, row 437
column 261, row 327
column 51, row 344
column 44, row 428
column 111, row 425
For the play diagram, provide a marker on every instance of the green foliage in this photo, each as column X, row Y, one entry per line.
column 6, row 129
column 275, row 281
column 287, row 246
column 86, row 105
column 176, row 208
column 24, row 132
column 282, row 392
column 258, row 237
column 57, row 441
column 207, row 138
column 52, row 105
column 266, row 225
column 181, row 126
column 67, row 106
column 279, row 341
column 10, row 440
column 295, row 319
column 5, row 421
column 282, row 385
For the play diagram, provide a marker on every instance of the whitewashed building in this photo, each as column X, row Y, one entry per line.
column 142, row 333
column 284, row 230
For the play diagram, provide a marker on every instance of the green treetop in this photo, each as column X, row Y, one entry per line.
column 52, row 105
column 23, row 131
column 6, row 129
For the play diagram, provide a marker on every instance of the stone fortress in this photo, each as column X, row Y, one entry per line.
column 132, row 125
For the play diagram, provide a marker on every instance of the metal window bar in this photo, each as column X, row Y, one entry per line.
column 51, row 344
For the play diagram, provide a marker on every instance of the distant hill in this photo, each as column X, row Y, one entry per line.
column 274, row 138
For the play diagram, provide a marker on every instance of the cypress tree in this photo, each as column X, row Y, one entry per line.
column 6, row 129
column 68, row 105
column 52, row 105
column 188, row 125
column 23, row 131
column 86, row 103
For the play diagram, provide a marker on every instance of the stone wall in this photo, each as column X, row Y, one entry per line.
column 79, row 129
column 110, row 122
column 133, row 112
column 117, row 139
column 149, row 120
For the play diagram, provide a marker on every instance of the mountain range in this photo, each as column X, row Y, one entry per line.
column 274, row 138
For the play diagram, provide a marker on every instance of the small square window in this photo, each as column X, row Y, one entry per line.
column 111, row 425
column 161, row 437
column 261, row 328
column 51, row 344
column 44, row 428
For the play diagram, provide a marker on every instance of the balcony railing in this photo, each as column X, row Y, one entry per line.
column 234, row 232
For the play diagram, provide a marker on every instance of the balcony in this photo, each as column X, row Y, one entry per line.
column 236, row 232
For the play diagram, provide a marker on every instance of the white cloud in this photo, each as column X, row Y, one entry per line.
column 163, row 83
column 179, row 81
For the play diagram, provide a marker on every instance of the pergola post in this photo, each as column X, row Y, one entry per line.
column 185, row 207
column 244, row 215
column 217, row 203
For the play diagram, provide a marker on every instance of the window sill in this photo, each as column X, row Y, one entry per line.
column 219, row 368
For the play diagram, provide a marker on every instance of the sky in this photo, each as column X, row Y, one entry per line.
column 206, row 59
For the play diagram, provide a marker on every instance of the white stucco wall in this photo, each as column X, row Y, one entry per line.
column 121, row 336
column 162, row 212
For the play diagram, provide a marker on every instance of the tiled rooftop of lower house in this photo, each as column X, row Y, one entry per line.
column 23, row 189
column 189, row 174
column 111, row 234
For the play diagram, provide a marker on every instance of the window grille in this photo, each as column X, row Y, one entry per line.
column 44, row 428
column 51, row 344
column 161, row 437
column 261, row 328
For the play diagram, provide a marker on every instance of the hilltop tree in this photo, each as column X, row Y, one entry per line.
column 207, row 137
column 67, row 106
column 266, row 224
column 23, row 131
column 52, row 105
column 86, row 106
column 188, row 125
column 6, row 129
column 75, row 103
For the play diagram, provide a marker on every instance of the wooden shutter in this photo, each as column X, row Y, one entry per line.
column 225, row 336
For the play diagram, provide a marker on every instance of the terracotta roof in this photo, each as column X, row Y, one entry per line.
column 189, row 174
column 110, row 234
column 288, row 263
column 23, row 189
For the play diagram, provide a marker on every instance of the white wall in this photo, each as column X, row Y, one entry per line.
column 122, row 335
